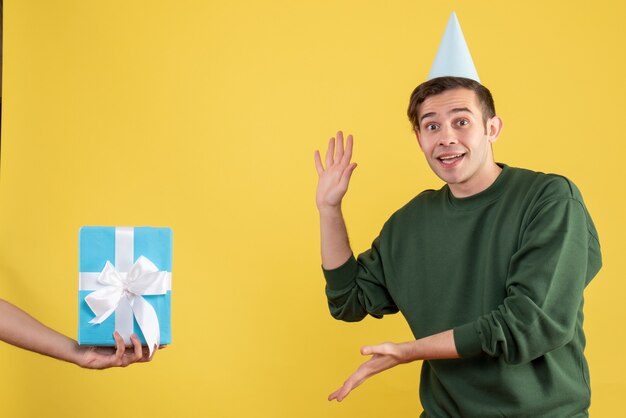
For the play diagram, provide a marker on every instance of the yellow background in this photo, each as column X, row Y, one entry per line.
column 204, row 115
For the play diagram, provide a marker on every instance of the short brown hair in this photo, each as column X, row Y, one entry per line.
column 439, row 85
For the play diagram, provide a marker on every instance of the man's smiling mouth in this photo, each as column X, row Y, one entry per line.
column 450, row 159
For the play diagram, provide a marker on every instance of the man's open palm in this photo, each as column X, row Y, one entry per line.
column 335, row 177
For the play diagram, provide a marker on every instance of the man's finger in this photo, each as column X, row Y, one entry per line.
column 339, row 147
column 333, row 395
column 137, row 347
column 346, row 175
column 347, row 156
column 383, row 348
column 318, row 163
column 341, row 393
column 345, row 390
column 370, row 350
column 119, row 345
column 330, row 152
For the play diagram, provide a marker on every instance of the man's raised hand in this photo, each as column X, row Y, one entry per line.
column 334, row 178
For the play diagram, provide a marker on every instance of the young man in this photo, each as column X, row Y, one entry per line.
column 489, row 270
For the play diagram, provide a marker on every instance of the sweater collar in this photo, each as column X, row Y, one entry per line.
column 487, row 196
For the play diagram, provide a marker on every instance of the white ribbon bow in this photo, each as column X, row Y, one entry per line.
column 144, row 278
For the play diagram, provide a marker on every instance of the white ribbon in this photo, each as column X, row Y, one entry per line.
column 143, row 278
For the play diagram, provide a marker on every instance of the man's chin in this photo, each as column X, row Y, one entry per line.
column 448, row 176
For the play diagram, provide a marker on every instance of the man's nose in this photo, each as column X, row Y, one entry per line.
column 447, row 136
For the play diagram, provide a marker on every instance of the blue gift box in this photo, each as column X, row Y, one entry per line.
column 122, row 247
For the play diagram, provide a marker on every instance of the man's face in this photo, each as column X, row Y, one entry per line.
column 456, row 142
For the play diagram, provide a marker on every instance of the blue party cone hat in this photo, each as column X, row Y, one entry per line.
column 453, row 57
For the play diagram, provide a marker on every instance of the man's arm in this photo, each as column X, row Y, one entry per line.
column 354, row 288
column 557, row 257
column 388, row 355
column 22, row 330
column 331, row 188
column 336, row 252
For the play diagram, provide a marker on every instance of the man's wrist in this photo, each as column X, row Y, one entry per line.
column 408, row 351
column 330, row 211
column 71, row 352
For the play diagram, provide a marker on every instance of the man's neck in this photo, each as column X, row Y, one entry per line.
column 481, row 181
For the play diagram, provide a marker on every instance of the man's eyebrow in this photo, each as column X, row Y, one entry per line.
column 427, row 115
column 455, row 110
column 460, row 109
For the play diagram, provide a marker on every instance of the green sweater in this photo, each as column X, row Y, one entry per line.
column 506, row 269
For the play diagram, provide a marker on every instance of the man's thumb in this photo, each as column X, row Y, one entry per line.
column 368, row 350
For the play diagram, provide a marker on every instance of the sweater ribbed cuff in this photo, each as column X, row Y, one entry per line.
column 341, row 277
column 467, row 340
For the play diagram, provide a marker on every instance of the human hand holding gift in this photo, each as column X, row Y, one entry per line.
column 136, row 291
column 91, row 357
column 22, row 330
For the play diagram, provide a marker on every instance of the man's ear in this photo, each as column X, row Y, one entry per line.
column 493, row 128
column 417, row 135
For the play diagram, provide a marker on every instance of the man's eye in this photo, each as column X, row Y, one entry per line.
column 431, row 127
column 463, row 122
